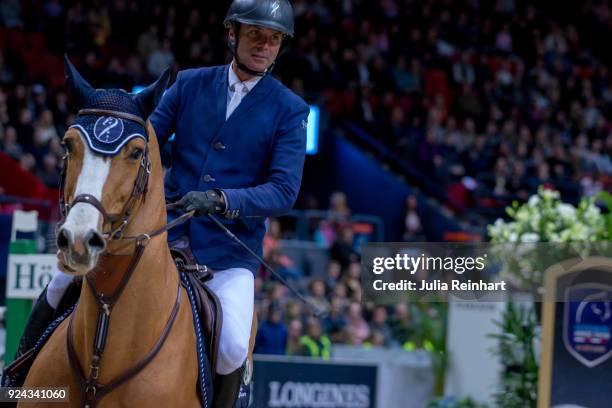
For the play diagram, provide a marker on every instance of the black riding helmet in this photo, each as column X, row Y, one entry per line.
column 273, row 14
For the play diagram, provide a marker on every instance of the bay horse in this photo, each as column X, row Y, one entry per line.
column 130, row 339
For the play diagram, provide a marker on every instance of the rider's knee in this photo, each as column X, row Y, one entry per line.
column 231, row 355
column 57, row 287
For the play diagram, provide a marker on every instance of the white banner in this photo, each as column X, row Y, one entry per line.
column 28, row 275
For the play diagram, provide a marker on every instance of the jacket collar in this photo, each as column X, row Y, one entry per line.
column 259, row 91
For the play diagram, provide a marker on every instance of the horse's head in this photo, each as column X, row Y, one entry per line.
column 106, row 168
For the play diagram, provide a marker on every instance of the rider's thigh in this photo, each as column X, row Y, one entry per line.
column 235, row 289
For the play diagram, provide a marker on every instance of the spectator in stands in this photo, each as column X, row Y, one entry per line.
column 271, row 333
column 357, row 328
column 332, row 275
column 25, row 130
column 352, row 280
column 338, row 207
column 49, row 173
column 27, row 162
column 316, row 290
column 335, row 322
column 294, row 346
column 401, row 323
column 342, row 250
column 284, row 265
column 10, row 145
column 293, row 310
column 160, row 59
column 148, row 42
column 413, row 229
column 379, row 325
column 376, row 339
column 314, row 343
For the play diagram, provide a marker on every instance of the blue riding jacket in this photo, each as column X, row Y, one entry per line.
column 256, row 158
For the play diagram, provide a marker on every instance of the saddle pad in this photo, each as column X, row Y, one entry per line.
column 14, row 375
column 205, row 389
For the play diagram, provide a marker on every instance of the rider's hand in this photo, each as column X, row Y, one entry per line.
column 203, row 202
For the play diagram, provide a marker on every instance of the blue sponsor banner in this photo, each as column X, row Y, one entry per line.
column 576, row 363
column 588, row 323
column 281, row 382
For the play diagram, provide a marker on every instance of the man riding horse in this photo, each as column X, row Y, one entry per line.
column 238, row 152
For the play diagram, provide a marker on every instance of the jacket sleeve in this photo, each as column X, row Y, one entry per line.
column 164, row 116
column 278, row 194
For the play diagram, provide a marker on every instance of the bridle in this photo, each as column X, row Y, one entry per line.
column 117, row 222
column 91, row 390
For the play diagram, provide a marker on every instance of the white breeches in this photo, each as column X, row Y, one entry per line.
column 235, row 289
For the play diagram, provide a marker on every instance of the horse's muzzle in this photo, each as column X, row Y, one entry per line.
column 79, row 252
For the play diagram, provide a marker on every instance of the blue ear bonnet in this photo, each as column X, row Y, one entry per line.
column 108, row 134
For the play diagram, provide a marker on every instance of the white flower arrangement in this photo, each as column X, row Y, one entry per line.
column 544, row 218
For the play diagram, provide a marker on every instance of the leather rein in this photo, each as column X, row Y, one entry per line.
column 92, row 391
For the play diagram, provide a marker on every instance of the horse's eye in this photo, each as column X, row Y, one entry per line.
column 136, row 154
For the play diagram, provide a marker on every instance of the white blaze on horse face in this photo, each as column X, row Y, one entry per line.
column 84, row 217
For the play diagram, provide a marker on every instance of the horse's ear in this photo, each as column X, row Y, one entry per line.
column 148, row 98
column 78, row 87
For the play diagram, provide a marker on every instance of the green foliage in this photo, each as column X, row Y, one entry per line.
column 451, row 402
column 519, row 382
column 606, row 199
column 430, row 335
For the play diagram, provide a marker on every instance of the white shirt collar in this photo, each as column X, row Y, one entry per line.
column 233, row 80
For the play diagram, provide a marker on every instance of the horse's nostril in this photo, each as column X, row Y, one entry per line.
column 63, row 239
column 95, row 241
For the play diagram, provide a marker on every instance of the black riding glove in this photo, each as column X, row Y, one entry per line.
column 203, row 202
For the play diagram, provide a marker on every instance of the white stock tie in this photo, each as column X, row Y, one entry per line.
column 240, row 90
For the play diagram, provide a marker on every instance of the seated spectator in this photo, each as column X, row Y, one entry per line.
column 27, row 162
column 293, row 310
column 413, row 229
column 401, row 324
column 10, row 145
column 272, row 237
column 338, row 207
column 357, row 328
column 340, row 292
column 160, row 59
column 46, row 126
column 316, row 290
column 332, row 276
column 379, row 325
column 325, row 233
column 271, row 333
column 353, row 282
column 342, row 250
column 283, row 265
column 314, row 343
column 49, row 174
column 294, row 347
column 376, row 339
column 334, row 323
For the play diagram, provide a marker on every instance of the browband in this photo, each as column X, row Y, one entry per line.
column 104, row 112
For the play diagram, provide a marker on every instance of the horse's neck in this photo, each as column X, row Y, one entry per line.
column 140, row 314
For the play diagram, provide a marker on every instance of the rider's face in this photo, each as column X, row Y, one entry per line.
column 258, row 46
